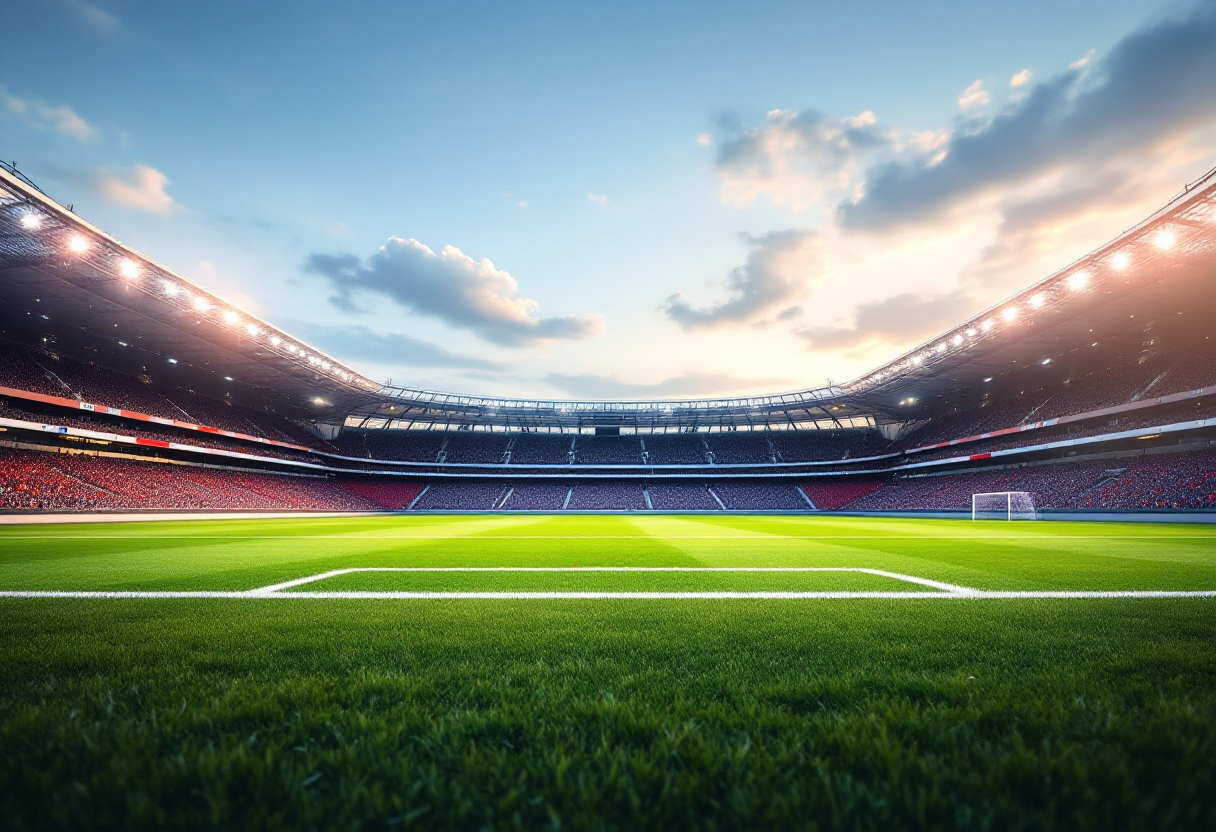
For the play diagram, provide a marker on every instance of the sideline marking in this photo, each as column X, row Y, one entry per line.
column 273, row 588
column 977, row 594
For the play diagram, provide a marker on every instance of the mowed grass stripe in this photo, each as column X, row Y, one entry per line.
column 1070, row 560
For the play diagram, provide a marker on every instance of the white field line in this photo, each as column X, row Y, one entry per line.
column 978, row 594
column 944, row 587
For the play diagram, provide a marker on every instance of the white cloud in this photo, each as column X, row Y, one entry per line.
column 1083, row 61
column 705, row 139
column 600, row 200
column 974, row 96
column 794, row 158
column 141, row 188
column 468, row 294
column 42, row 116
column 1020, row 79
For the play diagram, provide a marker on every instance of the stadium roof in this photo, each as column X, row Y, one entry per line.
column 76, row 288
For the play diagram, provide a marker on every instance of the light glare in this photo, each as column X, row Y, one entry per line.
column 1120, row 261
column 1078, row 281
column 1038, row 300
column 128, row 269
column 230, row 317
column 1165, row 239
column 78, row 244
column 201, row 304
column 31, row 222
column 1009, row 314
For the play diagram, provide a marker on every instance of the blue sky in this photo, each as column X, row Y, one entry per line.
column 611, row 200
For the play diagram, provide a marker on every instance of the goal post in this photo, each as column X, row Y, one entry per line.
column 1003, row 505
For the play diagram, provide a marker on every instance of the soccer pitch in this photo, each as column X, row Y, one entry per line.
column 608, row 672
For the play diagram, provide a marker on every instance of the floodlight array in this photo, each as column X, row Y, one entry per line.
column 1135, row 252
column 110, row 260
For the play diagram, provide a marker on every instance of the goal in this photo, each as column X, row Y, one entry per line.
column 1003, row 505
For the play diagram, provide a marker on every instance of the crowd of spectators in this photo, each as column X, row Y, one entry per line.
column 839, row 444
column 675, row 449
column 739, row 447
column 34, row 479
column 537, row 497
column 481, row 448
column 760, row 496
column 1158, row 482
column 831, row 495
column 608, row 450
column 608, row 495
column 461, row 496
column 1155, row 481
column 392, row 495
column 668, row 496
column 542, row 449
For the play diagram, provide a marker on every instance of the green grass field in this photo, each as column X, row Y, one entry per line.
column 940, row 690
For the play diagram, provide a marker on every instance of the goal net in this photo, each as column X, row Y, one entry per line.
column 1003, row 505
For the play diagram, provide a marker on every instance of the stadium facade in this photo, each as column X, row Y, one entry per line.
column 124, row 385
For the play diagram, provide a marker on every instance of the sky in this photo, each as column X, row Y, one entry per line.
column 611, row 200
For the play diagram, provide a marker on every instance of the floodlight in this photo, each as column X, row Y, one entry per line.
column 1165, row 239
column 253, row 329
column 986, row 325
column 971, row 332
column 1038, row 300
column 201, row 304
column 227, row 378
column 172, row 360
column 319, row 400
column 230, row 317
column 171, row 288
column 31, row 221
column 1120, row 261
column 275, row 340
column 1046, row 360
column 918, row 359
column 956, row 340
column 1078, row 280
column 988, row 379
column 128, row 268
column 78, row 244
column 1010, row 313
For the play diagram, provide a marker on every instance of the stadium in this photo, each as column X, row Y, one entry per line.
column 1091, row 390
column 244, row 585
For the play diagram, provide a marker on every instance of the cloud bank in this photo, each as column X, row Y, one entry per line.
column 897, row 320
column 1155, row 86
column 465, row 293
column 793, row 158
column 780, row 267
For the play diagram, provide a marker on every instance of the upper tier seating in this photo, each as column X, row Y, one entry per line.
column 738, row 447
column 608, row 450
column 675, row 449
